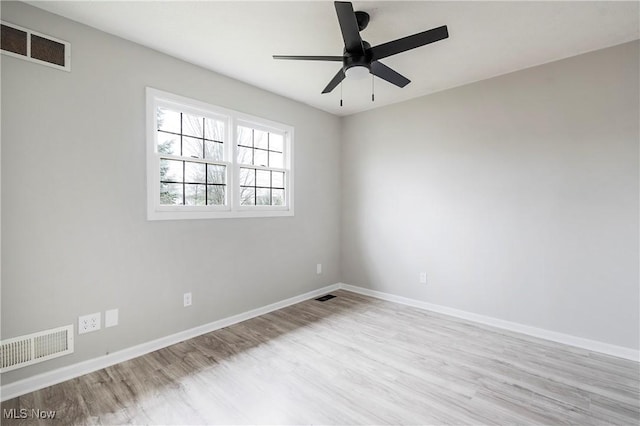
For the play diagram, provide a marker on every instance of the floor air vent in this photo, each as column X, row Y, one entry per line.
column 37, row 347
column 325, row 298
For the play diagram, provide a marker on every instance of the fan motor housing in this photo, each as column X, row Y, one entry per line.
column 351, row 60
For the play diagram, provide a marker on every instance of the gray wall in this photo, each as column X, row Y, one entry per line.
column 75, row 238
column 517, row 195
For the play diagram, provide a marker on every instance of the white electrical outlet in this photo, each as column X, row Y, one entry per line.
column 110, row 318
column 187, row 299
column 319, row 268
column 423, row 277
column 88, row 323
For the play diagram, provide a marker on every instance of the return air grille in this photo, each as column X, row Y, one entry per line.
column 35, row 47
column 37, row 347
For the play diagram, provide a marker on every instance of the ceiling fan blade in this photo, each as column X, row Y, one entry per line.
column 408, row 43
column 310, row 58
column 384, row 72
column 349, row 27
column 334, row 81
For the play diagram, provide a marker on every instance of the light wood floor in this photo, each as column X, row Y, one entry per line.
column 352, row 360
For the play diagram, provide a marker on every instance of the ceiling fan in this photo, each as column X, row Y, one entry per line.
column 359, row 56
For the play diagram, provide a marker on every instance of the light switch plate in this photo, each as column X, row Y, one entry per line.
column 111, row 318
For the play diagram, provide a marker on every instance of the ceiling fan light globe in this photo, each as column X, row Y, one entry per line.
column 358, row 72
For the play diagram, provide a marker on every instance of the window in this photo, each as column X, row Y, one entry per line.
column 261, row 160
column 205, row 161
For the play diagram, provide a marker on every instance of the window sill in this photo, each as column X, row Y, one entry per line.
column 217, row 214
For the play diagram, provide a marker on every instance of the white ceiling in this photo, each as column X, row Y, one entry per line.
column 237, row 39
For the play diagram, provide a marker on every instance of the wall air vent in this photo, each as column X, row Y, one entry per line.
column 35, row 47
column 36, row 347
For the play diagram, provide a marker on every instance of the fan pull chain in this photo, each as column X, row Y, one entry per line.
column 341, row 93
column 373, row 96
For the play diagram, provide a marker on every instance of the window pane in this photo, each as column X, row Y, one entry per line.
column 245, row 155
column 276, row 160
column 277, row 179
column 247, row 177
column 194, row 195
column 276, row 142
column 168, row 143
column 259, row 157
column 170, row 194
column 260, row 139
column 191, row 147
column 213, row 150
column 215, row 195
column 245, row 136
column 263, row 178
column 170, row 170
column 192, row 125
column 216, row 174
column 263, row 197
column 277, row 197
column 214, row 129
column 247, row 196
column 194, row 172
column 168, row 120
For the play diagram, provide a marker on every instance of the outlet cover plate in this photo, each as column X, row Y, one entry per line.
column 187, row 299
column 423, row 277
column 89, row 323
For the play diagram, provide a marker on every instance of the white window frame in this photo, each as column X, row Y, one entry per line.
column 233, row 209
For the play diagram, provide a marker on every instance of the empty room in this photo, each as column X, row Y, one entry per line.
column 318, row 212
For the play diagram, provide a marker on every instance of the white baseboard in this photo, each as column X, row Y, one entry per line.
column 63, row 374
column 567, row 339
